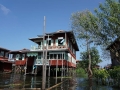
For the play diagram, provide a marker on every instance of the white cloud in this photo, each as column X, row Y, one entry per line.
column 4, row 9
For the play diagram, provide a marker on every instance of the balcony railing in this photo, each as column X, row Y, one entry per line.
column 20, row 62
column 40, row 62
column 33, row 48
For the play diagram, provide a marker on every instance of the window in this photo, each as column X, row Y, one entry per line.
column 39, row 55
column 59, row 56
column 51, row 56
column 2, row 53
column 6, row 55
column 49, row 42
column 17, row 57
column 63, row 57
column 60, row 41
column 55, row 56
column 40, row 43
column 23, row 56
column 47, row 55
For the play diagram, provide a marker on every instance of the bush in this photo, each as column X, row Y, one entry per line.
column 81, row 72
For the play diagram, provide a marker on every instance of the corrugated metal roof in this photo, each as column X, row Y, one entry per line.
column 20, row 51
column 4, row 49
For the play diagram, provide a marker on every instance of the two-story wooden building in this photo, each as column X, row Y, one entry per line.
column 20, row 59
column 59, row 49
column 114, row 49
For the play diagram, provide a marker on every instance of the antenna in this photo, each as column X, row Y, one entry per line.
column 44, row 60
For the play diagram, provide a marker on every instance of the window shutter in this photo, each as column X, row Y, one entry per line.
column 17, row 57
column 56, row 41
column 23, row 56
column 51, row 42
column 44, row 42
column 64, row 42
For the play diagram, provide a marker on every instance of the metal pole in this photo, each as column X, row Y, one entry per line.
column 56, row 68
column 43, row 71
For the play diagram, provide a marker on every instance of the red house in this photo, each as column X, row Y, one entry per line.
column 5, row 65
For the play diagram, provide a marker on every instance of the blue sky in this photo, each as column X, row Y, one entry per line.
column 23, row 19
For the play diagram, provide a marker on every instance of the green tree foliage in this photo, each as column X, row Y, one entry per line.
column 108, row 15
column 83, row 24
column 103, row 27
column 80, row 71
column 110, row 76
column 95, row 58
column 108, row 22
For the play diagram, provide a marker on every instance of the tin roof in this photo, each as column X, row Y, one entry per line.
column 4, row 49
column 20, row 51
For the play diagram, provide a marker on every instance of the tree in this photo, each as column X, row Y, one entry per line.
column 82, row 24
column 108, row 15
column 108, row 25
column 95, row 58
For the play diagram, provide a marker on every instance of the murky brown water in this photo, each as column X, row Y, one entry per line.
column 10, row 81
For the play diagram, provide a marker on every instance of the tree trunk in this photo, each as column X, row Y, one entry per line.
column 89, row 58
column 89, row 66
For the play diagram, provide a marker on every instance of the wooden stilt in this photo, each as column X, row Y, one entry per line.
column 26, row 66
column 56, row 68
column 49, row 72
column 36, row 70
column 62, row 66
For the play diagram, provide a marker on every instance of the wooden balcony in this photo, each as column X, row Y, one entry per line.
column 35, row 48
column 20, row 62
column 40, row 62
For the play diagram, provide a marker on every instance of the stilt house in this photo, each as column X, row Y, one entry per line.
column 5, row 65
column 59, row 49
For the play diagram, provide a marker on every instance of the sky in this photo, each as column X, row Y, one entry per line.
column 23, row 19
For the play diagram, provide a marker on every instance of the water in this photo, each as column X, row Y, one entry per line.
column 10, row 81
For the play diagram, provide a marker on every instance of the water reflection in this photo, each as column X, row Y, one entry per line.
column 20, row 81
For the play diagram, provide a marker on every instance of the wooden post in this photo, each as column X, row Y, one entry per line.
column 65, row 40
column 43, row 72
column 64, row 70
column 49, row 71
column 62, row 65
column 49, row 64
column 26, row 66
column 56, row 68
column 36, row 70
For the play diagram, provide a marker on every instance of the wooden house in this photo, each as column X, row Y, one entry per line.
column 21, row 61
column 5, row 65
column 114, row 49
column 59, row 49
